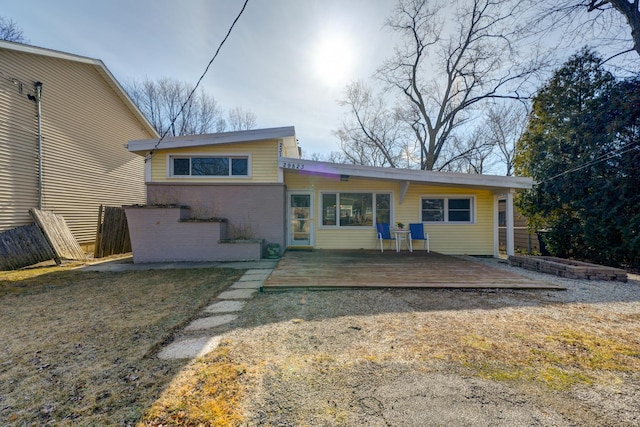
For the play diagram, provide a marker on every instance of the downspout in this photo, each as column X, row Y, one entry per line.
column 39, row 108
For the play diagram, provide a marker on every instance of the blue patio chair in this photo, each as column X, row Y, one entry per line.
column 417, row 233
column 384, row 234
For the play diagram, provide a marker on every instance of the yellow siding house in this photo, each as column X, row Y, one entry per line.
column 257, row 180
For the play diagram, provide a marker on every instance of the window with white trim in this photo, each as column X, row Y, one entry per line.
column 354, row 209
column 448, row 209
column 205, row 166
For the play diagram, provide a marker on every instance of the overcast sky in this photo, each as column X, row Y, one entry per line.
column 275, row 62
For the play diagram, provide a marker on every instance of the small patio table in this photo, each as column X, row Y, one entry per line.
column 402, row 236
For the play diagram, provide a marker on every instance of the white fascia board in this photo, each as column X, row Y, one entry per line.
column 35, row 50
column 492, row 182
column 213, row 139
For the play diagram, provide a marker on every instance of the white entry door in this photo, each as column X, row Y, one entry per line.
column 300, row 219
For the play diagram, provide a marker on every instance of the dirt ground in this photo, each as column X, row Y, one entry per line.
column 430, row 357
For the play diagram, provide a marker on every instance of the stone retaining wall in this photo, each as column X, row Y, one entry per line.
column 568, row 268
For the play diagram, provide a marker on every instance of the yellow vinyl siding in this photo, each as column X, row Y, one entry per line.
column 472, row 239
column 338, row 238
column 290, row 148
column 85, row 126
column 263, row 162
column 295, row 180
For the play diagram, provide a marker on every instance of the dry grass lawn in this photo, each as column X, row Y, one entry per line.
column 77, row 348
column 313, row 358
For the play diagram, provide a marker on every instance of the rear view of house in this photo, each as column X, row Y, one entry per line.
column 257, row 178
column 64, row 124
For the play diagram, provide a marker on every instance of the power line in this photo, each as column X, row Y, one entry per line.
column 198, row 83
column 598, row 159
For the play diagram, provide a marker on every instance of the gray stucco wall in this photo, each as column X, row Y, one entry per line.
column 257, row 209
column 161, row 235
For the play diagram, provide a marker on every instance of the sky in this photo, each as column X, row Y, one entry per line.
column 287, row 61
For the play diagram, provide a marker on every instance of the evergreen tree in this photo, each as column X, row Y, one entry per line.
column 576, row 147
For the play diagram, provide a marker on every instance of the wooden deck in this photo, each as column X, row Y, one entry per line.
column 373, row 269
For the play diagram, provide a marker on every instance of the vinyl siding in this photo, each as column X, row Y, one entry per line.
column 472, row 239
column 85, row 125
column 263, row 162
column 18, row 152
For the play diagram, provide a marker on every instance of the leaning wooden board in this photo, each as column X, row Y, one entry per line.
column 64, row 244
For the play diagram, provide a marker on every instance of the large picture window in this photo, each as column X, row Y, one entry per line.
column 458, row 209
column 210, row 166
column 355, row 209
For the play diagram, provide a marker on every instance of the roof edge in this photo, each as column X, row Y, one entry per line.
column 102, row 69
column 212, row 139
column 37, row 50
column 495, row 182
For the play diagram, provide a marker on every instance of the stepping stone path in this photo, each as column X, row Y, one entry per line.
column 224, row 311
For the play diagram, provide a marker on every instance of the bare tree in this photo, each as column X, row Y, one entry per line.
column 489, row 146
column 240, row 119
column 161, row 102
column 471, row 152
column 505, row 124
column 332, row 157
column 374, row 134
column 601, row 20
column 10, row 31
column 443, row 71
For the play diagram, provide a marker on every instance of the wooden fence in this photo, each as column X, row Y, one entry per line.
column 523, row 240
column 112, row 236
column 55, row 229
column 49, row 238
column 23, row 246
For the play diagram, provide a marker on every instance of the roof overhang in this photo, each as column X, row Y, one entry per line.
column 236, row 137
column 99, row 67
column 494, row 183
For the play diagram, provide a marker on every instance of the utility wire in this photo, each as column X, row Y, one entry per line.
column 198, row 83
column 598, row 159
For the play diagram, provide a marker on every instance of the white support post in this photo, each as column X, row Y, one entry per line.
column 496, row 224
column 509, row 219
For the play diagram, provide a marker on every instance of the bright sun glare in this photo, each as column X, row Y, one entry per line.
column 334, row 60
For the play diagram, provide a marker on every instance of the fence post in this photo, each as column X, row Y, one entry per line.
column 97, row 247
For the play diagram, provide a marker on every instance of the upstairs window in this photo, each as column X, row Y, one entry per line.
column 447, row 209
column 219, row 166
